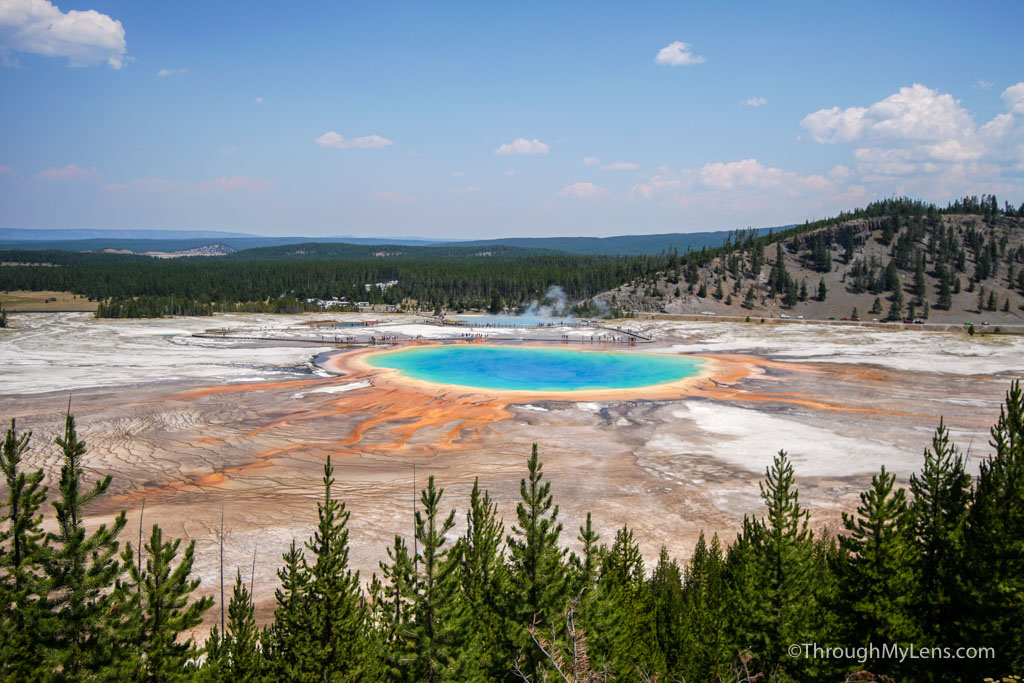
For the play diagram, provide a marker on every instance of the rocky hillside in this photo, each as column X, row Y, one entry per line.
column 937, row 266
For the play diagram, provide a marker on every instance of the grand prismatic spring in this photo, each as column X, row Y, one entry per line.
column 536, row 369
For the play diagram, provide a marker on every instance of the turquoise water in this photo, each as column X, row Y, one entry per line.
column 536, row 369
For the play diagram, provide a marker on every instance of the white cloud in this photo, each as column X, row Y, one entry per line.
column 591, row 161
column 85, row 37
column 164, row 73
column 337, row 141
column 621, row 166
column 678, row 54
column 510, row 171
column 6, row 169
column 257, row 100
column 928, row 142
column 413, row 153
column 69, row 172
column 465, row 190
column 1014, row 98
column 756, row 102
column 746, row 173
column 523, row 146
column 914, row 113
column 985, row 85
column 228, row 151
column 457, row 174
column 582, row 191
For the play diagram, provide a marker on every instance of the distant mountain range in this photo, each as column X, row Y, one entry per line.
column 197, row 241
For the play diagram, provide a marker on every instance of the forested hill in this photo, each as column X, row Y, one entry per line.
column 620, row 245
column 896, row 259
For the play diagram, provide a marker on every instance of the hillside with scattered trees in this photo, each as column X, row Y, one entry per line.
column 894, row 260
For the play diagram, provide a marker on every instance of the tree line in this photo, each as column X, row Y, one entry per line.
column 938, row 564
column 460, row 278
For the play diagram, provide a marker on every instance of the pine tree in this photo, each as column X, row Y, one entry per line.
column 160, row 610
column 483, row 583
column 536, row 563
column 876, row 580
column 434, row 591
column 665, row 588
column 704, row 615
column 936, row 522
column 822, row 290
column 748, row 300
column 21, row 554
column 81, row 572
column 241, row 658
column 896, row 308
column 994, row 545
column 945, row 301
column 393, row 612
column 774, row 579
column 288, row 637
column 624, row 633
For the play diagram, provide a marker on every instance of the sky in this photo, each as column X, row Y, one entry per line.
column 482, row 120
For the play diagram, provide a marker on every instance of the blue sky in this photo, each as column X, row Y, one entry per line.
column 499, row 119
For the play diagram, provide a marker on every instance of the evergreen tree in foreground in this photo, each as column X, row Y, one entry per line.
column 937, row 519
column 21, row 555
column 156, row 602
column 875, row 571
column 774, row 578
column 995, row 545
column 340, row 643
column 536, row 564
column 80, row 571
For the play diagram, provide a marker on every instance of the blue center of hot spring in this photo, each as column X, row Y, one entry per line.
column 536, row 369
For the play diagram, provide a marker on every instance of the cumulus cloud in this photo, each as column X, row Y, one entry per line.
column 69, row 172
column 257, row 100
column 928, row 142
column 85, row 38
column 678, row 54
column 737, row 181
column 756, row 102
column 591, row 161
column 746, row 173
column 523, row 146
column 582, row 191
column 914, row 113
column 621, row 166
column 338, row 141
column 1014, row 98
column 164, row 73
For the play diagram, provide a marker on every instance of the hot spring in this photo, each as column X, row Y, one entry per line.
column 536, row 368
